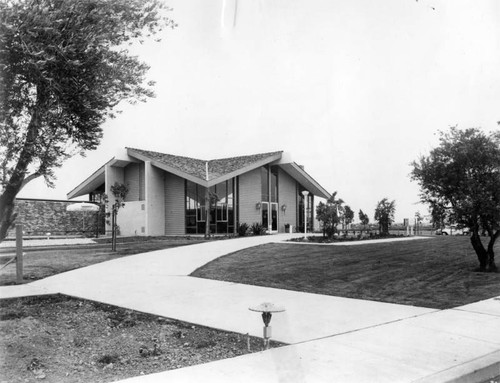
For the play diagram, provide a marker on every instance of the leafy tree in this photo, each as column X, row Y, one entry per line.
column 460, row 179
column 211, row 199
column 120, row 192
column 363, row 218
column 348, row 215
column 438, row 214
column 64, row 66
column 330, row 215
column 384, row 215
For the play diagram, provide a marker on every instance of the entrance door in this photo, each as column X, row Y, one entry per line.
column 265, row 214
column 270, row 216
column 274, row 216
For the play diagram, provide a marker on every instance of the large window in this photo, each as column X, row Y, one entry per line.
column 274, row 184
column 222, row 208
column 264, row 182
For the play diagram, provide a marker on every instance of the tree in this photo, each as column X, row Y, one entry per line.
column 460, row 179
column 330, row 214
column 211, row 199
column 438, row 214
column 363, row 218
column 120, row 192
column 348, row 215
column 64, row 66
column 384, row 215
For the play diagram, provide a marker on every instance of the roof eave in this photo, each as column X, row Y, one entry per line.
column 305, row 179
column 166, row 167
column 92, row 182
column 245, row 169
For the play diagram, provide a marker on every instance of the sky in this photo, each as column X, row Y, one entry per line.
column 354, row 90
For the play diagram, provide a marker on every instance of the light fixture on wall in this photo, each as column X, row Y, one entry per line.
column 283, row 207
column 257, row 206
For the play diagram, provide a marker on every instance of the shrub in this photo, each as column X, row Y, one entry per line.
column 258, row 229
column 243, row 229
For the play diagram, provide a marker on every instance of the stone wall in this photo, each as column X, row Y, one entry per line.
column 50, row 216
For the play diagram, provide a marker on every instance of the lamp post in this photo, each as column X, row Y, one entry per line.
column 267, row 309
column 305, row 193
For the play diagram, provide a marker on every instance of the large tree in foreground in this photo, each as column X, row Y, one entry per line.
column 461, row 178
column 63, row 67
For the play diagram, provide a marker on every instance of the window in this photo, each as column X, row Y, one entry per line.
column 264, row 181
column 222, row 208
column 222, row 212
column 274, row 184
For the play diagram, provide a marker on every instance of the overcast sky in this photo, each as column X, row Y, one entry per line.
column 354, row 89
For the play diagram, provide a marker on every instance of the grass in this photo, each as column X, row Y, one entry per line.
column 43, row 263
column 435, row 272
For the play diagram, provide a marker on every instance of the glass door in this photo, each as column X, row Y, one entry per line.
column 274, row 216
column 265, row 214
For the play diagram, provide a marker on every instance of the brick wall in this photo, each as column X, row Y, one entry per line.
column 50, row 216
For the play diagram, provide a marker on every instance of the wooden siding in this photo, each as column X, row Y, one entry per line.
column 175, row 209
column 287, row 188
column 250, row 195
column 134, row 179
column 155, row 209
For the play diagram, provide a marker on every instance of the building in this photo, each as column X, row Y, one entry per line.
column 168, row 194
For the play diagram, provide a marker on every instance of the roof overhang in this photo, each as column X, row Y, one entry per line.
column 166, row 167
column 96, row 179
column 300, row 175
column 245, row 169
column 200, row 181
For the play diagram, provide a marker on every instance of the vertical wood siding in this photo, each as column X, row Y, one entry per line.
column 155, row 199
column 287, row 196
column 134, row 179
column 250, row 195
column 175, row 211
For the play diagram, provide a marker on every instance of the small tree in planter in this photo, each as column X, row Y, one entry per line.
column 119, row 191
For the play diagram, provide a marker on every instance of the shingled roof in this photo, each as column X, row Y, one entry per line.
column 217, row 168
column 195, row 170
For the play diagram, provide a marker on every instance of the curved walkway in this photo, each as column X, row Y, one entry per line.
column 332, row 339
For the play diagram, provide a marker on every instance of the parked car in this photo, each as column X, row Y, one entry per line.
column 453, row 230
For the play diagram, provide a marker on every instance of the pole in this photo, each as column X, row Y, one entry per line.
column 19, row 253
column 113, row 230
column 97, row 224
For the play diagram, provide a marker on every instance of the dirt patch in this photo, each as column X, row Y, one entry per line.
column 58, row 338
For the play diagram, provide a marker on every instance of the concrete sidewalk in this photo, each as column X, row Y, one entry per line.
column 332, row 339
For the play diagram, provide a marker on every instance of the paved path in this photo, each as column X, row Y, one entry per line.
column 332, row 339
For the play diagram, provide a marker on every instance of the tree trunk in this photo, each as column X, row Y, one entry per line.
column 207, row 213
column 481, row 252
column 18, row 177
column 7, row 216
column 491, row 266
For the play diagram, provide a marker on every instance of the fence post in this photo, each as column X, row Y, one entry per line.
column 19, row 253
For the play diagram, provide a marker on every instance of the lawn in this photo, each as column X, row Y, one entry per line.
column 45, row 262
column 437, row 272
